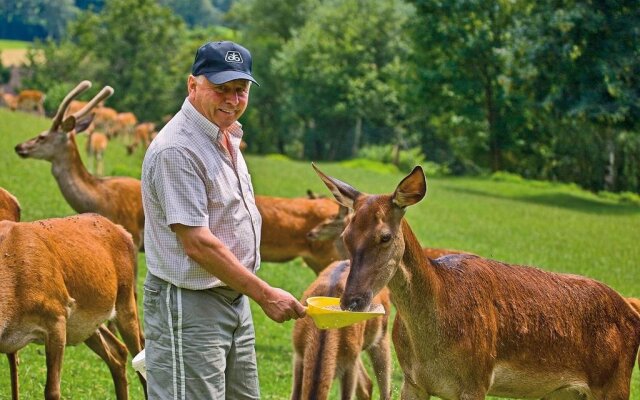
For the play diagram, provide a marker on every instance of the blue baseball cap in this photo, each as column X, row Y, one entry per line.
column 222, row 62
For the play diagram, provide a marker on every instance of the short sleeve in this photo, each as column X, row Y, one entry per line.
column 180, row 188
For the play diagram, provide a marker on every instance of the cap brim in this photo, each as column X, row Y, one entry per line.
column 227, row 76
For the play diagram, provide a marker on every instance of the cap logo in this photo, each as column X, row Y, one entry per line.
column 233, row 57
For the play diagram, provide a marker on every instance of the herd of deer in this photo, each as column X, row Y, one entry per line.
column 465, row 326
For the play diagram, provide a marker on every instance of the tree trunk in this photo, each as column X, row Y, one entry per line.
column 357, row 136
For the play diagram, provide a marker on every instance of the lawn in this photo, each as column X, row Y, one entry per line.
column 555, row 227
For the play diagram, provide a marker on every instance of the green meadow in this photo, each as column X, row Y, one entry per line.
column 555, row 227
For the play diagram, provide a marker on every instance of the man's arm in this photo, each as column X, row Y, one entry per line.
column 211, row 254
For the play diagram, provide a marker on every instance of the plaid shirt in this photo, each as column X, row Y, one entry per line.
column 188, row 178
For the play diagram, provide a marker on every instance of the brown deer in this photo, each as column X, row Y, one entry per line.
column 9, row 206
column 96, row 145
column 31, row 100
column 332, row 228
column 125, row 124
column 143, row 133
column 117, row 198
column 62, row 278
column 10, row 211
column 9, row 100
column 106, row 120
column 320, row 356
column 285, row 224
column 467, row 327
column 634, row 303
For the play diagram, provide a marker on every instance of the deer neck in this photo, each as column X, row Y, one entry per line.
column 415, row 280
column 77, row 185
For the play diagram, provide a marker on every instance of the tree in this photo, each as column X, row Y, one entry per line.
column 145, row 63
column 462, row 51
column 587, row 59
column 270, row 124
column 29, row 19
column 344, row 69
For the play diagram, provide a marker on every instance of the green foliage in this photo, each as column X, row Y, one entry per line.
column 200, row 13
column 145, row 63
column 35, row 17
column 343, row 70
column 405, row 160
column 370, row 165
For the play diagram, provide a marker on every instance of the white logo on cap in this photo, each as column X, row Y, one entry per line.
column 233, row 56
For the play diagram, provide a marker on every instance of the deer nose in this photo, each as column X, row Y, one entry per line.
column 358, row 303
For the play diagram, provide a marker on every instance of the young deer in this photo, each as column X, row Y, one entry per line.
column 285, row 224
column 62, row 278
column 467, row 327
column 320, row 356
column 117, row 198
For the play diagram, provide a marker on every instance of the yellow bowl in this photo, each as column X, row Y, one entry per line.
column 326, row 315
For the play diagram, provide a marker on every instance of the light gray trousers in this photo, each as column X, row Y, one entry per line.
column 199, row 344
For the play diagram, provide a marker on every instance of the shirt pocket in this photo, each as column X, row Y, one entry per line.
column 153, row 318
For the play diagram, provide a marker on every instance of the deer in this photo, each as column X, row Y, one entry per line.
column 320, row 356
column 9, row 206
column 285, row 224
column 634, row 303
column 9, row 100
column 106, row 120
column 96, row 145
column 10, row 210
column 117, row 198
column 125, row 124
column 467, row 327
column 332, row 228
column 62, row 279
column 31, row 100
column 143, row 133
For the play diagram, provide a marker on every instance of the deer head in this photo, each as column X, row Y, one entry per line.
column 51, row 142
column 373, row 236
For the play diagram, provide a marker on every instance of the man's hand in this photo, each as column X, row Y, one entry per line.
column 281, row 306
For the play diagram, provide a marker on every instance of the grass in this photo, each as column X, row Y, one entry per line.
column 557, row 228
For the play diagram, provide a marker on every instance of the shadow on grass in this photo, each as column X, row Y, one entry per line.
column 560, row 200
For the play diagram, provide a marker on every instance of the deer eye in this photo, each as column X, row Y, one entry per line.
column 386, row 237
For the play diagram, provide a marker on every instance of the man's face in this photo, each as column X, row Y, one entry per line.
column 221, row 104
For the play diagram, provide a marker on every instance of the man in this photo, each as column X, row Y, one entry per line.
column 202, row 239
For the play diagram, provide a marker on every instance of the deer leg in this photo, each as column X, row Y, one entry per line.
column 298, row 366
column 54, row 345
column 130, row 328
column 13, row 370
column 380, row 355
column 114, row 353
column 364, row 386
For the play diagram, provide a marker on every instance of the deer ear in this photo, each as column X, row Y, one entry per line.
column 411, row 189
column 84, row 123
column 68, row 124
column 343, row 192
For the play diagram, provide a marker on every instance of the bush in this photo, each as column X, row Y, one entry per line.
column 385, row 154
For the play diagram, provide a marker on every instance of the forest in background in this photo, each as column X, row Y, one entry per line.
column 545, row 89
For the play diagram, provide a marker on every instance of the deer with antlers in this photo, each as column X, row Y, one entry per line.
column 320, row 356
column 467, row 327
column 117, row 198
column 62, row 278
